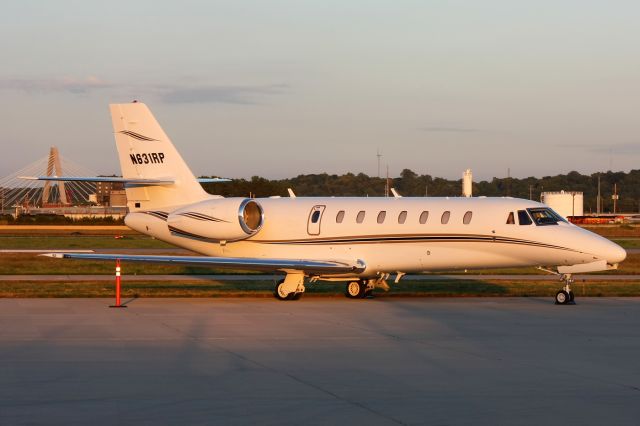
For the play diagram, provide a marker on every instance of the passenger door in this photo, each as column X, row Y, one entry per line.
column 315, row 217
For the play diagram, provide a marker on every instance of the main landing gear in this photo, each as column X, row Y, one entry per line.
column 565, row 296
column 359, row 289
column 363, row 288
column 290, row 288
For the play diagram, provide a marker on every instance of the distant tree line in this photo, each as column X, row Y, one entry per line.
column 410, row 184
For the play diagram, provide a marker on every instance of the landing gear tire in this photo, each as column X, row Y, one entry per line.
column 563, row 297
column 280, row 292
column 355, row 290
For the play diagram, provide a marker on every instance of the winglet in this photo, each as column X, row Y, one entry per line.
column 395, row 193
column 291, row 193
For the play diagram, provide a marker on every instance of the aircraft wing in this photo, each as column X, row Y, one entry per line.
column 131, row 181
column 252, row 263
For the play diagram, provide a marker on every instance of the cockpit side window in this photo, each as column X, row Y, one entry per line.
column 523, row 218
column 510, row 219
column 545, row 216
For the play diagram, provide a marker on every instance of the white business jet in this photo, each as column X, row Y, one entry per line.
column 360, row 241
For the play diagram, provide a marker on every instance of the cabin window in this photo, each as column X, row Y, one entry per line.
column 340, row 216
column 423, row 217
column 402, row 217
column 467, row 218
column 445, row 217
column 381, row 216
column 315, row 216
column 360, row 217
column 511, row 220
column 523, row 218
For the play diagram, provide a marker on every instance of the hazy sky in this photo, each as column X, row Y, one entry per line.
column 281, row 88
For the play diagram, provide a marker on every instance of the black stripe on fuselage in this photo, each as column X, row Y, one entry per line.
column 412, row 239
column 393, row 239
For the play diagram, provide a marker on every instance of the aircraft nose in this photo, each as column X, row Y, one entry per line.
column 600, row 247
column 614, row 253
column 609, row 251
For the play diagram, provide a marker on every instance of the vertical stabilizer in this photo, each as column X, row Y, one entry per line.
column 145, row 152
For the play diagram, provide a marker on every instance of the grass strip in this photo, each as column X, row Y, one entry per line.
column 441, row 288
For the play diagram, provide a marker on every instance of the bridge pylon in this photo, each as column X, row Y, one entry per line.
column 54, row 168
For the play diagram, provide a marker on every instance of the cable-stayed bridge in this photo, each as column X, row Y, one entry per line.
column 33, row 196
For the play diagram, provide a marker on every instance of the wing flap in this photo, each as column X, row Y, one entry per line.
column 252, row 263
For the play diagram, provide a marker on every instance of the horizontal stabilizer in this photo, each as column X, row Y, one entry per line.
column 213, row 180
column 252, row 264
column 133, row 181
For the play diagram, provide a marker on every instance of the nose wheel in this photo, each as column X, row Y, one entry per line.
column 565, row 296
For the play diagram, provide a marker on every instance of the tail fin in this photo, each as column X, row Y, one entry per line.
column 145, row 152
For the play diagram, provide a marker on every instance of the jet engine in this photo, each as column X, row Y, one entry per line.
column 222, row 219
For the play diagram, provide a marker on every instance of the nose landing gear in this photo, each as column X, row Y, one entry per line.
column 565, row 296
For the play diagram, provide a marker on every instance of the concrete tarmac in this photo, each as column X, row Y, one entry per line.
column 436, row 361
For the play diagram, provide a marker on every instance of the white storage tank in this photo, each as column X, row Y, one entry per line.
column 565, row 203
column 467, row 183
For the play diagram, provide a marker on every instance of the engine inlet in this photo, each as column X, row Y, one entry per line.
column 251, row 216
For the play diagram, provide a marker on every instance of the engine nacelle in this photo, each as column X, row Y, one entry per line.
column 223, row 219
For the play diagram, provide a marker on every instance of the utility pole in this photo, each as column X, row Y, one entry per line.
column 386, row 186
column 379, row 157
column 530, row 192
column 615, row 197
column 509, row 182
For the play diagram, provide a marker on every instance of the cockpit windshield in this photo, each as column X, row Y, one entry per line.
column 545, row 216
